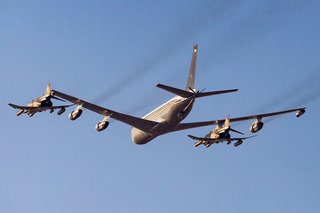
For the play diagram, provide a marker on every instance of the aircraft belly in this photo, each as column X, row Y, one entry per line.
column 168, row 119
column 140, row 137
column 33, row 104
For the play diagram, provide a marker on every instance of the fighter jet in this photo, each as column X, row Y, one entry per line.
column 219, row 134
column 41, row 104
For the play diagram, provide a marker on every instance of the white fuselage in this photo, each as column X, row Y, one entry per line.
column 169, row 115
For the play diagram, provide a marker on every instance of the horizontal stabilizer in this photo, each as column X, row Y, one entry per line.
column 187, row 94
column 180, row 92
column 203, row 94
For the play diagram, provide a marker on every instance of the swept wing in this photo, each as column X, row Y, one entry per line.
column 139, row 123
column 183, row 126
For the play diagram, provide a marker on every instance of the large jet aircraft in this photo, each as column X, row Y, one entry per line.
column 40, row 104
column 167, row 117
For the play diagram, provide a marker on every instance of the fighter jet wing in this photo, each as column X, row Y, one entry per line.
column 38, row 109
column 139, row 123
column 183, row 126
column 212, row 140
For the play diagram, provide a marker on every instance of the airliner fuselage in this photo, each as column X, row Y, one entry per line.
column 169, row 115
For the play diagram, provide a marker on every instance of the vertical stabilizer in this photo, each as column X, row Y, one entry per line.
column 227, row 122
column 192, row 68
column 48, row 89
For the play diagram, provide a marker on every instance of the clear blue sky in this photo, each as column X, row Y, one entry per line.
column 114, row 53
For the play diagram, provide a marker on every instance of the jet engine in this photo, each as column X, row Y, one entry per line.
column 76, row 113
column 62, row 110
column 102, row 125
column 256, row 126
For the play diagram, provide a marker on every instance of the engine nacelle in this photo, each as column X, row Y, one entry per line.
column 62, row 110
column 256, row 126
column 75, row 114
column 301, row 112
column 102, row 125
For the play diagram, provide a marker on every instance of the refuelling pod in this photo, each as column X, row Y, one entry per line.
column 256, row 126
column 238, row 143
column 62, row 110
column 76, row 113
column 301, row 112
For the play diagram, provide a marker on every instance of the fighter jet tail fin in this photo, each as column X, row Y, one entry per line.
column 227, row 122
column 48, row 89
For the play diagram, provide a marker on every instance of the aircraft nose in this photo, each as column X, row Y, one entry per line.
column 139, row 137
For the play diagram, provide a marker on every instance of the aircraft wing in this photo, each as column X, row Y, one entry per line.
column 139, row 123
column 183, row 126
column 38, row 109
column 212, row 140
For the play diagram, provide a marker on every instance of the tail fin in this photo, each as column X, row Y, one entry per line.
column 48, row 89
column 226, row 125
column 227, row 122
column 190, row 84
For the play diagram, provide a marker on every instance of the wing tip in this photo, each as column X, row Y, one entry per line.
column 192, row 137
